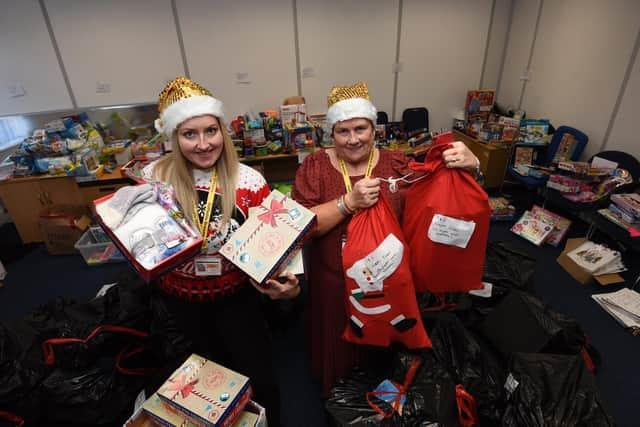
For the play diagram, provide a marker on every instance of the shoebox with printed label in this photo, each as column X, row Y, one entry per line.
column 148, row 227
column 206, row 393
column 266, row 241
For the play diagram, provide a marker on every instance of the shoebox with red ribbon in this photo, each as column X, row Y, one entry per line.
column 205, row 393
column 148, row 227
column 267, row 240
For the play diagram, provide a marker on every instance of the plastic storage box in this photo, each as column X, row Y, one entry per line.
column 96, row 252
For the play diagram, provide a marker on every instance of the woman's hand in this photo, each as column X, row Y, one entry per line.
column 365, row 194
column 458, row 155
column 276, row 290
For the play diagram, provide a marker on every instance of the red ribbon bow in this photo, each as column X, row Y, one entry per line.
column 269, row 217
column 184, row 391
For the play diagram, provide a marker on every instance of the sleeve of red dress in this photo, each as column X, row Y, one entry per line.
column 306, row 187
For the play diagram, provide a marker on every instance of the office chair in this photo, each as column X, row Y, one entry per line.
column 415, row 120
column 383, row 118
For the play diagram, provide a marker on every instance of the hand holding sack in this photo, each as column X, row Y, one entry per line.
column 380, row 296
column 446, row 223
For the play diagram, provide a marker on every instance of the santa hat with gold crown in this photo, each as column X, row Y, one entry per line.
column 350, row 102
column 182, row 99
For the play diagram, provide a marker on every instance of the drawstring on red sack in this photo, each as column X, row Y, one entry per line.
column 48, row 345
column 402, row 390
column 130, row 351
column 467, row 411
column 12, row 418
column 441, row 304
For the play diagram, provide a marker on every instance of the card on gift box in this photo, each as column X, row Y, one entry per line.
column 207, row 393
column 265, row 241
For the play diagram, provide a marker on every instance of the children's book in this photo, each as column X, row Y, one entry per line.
column 560, row 224
column 523, row 156
column 532, row 229
column 565, row 149
column 592, row 257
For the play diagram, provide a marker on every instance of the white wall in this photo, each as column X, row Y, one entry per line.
column 254, row 38
column 578, row 64
column 582, row 52
column 441, row 51
column 29, row 61
column 625, row 132
column 130, row 45
column 343, row 42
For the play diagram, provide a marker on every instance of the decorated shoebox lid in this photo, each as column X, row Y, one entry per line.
column 266, row 241
column 207, row 393
column 153, row 236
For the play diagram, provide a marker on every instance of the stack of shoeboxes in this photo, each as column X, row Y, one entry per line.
column 201, row 393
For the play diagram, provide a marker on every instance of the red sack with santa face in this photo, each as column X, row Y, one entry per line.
column 446, row 223
column 380, row 296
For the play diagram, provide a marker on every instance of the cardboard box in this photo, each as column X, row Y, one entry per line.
column 577, row 272
column 207, row 393
column 266, row 241
column 152, row 241
column 62, row 226
column 164, row 414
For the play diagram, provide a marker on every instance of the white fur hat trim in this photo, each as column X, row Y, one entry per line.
column 350, row 109
column 184, row 109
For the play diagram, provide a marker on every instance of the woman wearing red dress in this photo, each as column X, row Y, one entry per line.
column 320, row 186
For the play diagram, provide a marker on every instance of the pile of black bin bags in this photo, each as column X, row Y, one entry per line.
column 522, row 364
column 134, row 345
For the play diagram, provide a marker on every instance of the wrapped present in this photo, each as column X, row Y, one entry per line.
column 164, row 414
column 206, row 393
column 148, row 227
column 266, row 241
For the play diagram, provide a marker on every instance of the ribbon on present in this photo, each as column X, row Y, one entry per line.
column 269, row 217
column 398, row 395
column 181, row 387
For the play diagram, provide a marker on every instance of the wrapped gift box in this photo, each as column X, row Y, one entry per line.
column 164, row 414
column 207, row 393
column 267, row 240
column 153, row 239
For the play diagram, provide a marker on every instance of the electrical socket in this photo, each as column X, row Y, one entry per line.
column 103, row 87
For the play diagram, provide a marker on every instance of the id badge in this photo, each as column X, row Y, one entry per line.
column 208, row 265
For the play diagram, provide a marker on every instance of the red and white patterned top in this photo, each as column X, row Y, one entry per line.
column 251, row 190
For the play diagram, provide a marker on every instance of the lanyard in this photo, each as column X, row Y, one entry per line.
column 203, row 226
column 345, row 173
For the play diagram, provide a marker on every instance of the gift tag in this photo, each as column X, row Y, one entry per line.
column 511, row 384
column 208, row 265
column 485, row 292
column 451, row 231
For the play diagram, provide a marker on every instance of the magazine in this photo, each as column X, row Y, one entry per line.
column 622, row 305
column 532, row 229
column 592, row 257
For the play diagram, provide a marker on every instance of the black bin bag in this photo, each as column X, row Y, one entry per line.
column 471, row 363
column 552, row 390
column 430, row 397
column 523, row 323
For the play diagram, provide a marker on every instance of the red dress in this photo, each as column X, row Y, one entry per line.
column 317, row 182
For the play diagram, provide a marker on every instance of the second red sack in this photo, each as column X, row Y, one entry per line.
column 446, row 223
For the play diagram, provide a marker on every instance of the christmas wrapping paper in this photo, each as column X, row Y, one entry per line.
column 266, row 240
column 207, row 393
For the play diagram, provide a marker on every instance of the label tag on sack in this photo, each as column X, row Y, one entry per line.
column 485, row 292
column 451, row 231
column 208, row 265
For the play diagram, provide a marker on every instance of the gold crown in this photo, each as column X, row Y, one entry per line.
column 340, row 93
column 177, row 89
